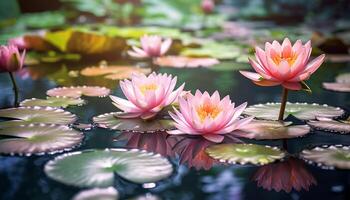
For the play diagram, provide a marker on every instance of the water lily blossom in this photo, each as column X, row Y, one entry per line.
column 10, row 58
column 207, row 116
column 283, row 64
column 146, row 95
column 10, row 61
column 207, row 6
column 151, row 47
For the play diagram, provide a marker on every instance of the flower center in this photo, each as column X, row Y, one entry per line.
column 290, row 59
column 206, row 110
column 148, row 87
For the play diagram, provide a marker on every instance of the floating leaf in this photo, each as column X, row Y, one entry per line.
column 343, row 78
column 30, row 115
column 38, row 139
column 78, row 91
column 338, row 87
column 270, row 130
column 53, row 102
column 84, row 42
column 182, row 61
column 114, row 72
column 245, row 153
column 341, row 126
column 111, row 121
column 97, row 168
column 214, row 50
column 302, row 111
column 334, row 156
column 109, row 193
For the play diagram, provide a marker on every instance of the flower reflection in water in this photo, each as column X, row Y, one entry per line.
column 191, row 151
column 287, row 175
column 154, row 142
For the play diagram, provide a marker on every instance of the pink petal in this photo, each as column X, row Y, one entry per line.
column 214, row 138
column 315, row 64
column 267, row 83
column 165, row 46
column 136, row 55
column 292, row 85
column 286, row 48
column 251, row 75
column 259, row 69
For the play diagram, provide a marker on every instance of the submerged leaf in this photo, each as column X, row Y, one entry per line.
column 53, row 102
column 334, row 156
column 29, row 115
column 109, row 193
column 78, row 91
column 97, row 168
column 38, row 139
column 271, row 130
column 114, row 72
column 182, row 61
column 302, row 111
column 245, row 153
column 111, row 121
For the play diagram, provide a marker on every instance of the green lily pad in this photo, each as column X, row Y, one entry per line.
column 109, row 193
column 341, row 126
column 302, row 111
column 111, row 121
column 343, row 78
column 53, row 102
column 245, row 153
column 97, row 168
column 333, row 156
column 35, row 115
column 272, row 130
column 38, row 139
column 78, row 91
column 214, row 50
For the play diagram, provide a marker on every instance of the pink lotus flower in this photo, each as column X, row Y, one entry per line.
column 146, row 95
column 19, row 42
column 208, row 116
column 10, row 58
column 207, row 6
column 151, row 47
column 284, row 64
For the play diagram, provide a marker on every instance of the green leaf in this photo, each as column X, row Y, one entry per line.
column 111, row 121
column 303, row 111
column 53, row 102
column 97, row 168
column 333, row 156
column 29, row 115
column 38, row 139
column 245, row 153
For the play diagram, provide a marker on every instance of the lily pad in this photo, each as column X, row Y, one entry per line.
column 78, row 91
column 97, row 168
column 333, row 156
column 182, row 62
column 343, row 78
column 338, row 87
column 38, row 139
column 302, row 111
column 111, row 121
column 271, row 130
column 35, row 115
column 109, row 193
column 245, row 153
column 214, row 50
column 85, row 42
column 114, row 72
column 340, row 126
column 53, row 102
column 342, row 83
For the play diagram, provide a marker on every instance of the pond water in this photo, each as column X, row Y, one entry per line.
column 24, row 178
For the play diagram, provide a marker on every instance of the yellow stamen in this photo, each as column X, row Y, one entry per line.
column 206, row 110
column 291, row 59
column 148, row 87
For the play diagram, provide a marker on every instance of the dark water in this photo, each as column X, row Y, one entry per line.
column 23, row 177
